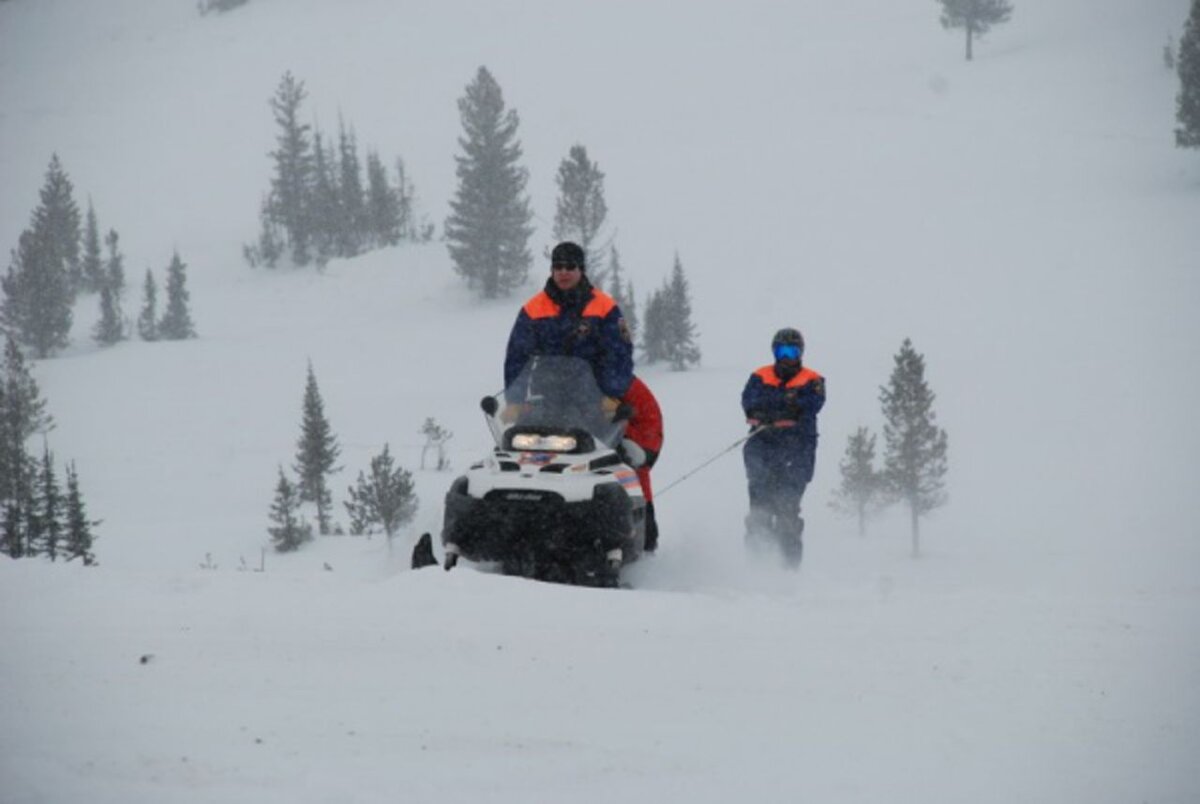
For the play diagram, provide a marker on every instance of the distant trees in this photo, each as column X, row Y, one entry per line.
column 622, row 291
column 176, row 323
column 668, row 333
column 581, row 210
column 915, row 447
column 1188, row 111
column 148, row 318
column 38, row 287
column 975, row 17
column 317, row 207
column 288, row 528
column 488, row 229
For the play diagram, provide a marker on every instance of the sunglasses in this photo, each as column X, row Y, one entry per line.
column 562, row 266
column 787, row 351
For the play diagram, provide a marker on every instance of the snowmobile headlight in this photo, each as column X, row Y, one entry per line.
column 533, row 442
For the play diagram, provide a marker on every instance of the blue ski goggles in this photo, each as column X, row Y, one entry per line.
column 786, row 351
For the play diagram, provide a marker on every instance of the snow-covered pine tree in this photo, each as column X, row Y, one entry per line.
column 861, row 492
column 406, row 200
column 176, row 323
column 326, row 201
column 114, row 267
column 269, row 247
column 289, row 529
column 109, row 327
column 654, row 327
column 488, row 230
column 385, row 498
column 147, row 323
column 49, row 511
column 1188, row 111
column 352, row 231
column 581, row 211
column 38, row 289
column 679, row 331
column 316, row 453
column 383, row 205
column 22, row 413
column 79, row 536
column 91, row 266
column 291, row 186
column 976, row 17
column 915, row 447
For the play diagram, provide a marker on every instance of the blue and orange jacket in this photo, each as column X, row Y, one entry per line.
column 768, row 398
column 587, row 324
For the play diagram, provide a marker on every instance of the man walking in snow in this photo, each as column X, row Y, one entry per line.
column 781, row 401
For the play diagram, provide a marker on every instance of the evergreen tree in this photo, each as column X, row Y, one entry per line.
column 38, row 287
column 353, row 225
column 79, row 537
column 316, row 453
column 176, row 323
column 976, row 17
column 679, row 331
column 386, row 498
column 289, row 530
column 581, row 210
column 1169, row 54
column 861, row 492
column 406, row 200
column 92, row 264
column 270, row 245
column 49, row 508
column 114, row 268
column 1188, row 112
column 622, row 291
column 489, row 226
column 109, row 328
column 654, row 328
column 915, row 447
column 291, row 186
column 22, row 413
column 383, row 204
column 148, row 319
column 326, row 202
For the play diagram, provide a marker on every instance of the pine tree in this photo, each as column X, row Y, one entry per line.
column 316, row 453
column 353, row 225
column 406, row 200
column 386, row 498
column 622, row 291
column 654, row 327
column 1188, row 112
column 291, row 186
column 976, row 17
column 289, row 530
column 915, row 447
column 49, row 510
column 326, row 203
column 861, row 492
column 114, row 267
column 679, row 336
column 92, row 264
column 22, row 413
column 581, row 210
column 148, row 319
column 79, row 537
column 270, row 245
column 489, row 227
column 383, row 204
column 109, row 328
column 176, row 323
column 38, row 287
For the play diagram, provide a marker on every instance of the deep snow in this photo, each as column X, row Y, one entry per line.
column 837, row 167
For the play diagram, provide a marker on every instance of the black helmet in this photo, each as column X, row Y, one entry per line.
column 568, row 253
column 788, row 345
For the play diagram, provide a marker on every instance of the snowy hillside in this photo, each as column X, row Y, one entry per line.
column 1024, row 218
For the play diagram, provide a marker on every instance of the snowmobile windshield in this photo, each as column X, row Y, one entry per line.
column 557, row 396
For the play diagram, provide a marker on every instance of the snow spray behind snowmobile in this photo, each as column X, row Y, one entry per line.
column 554, row 500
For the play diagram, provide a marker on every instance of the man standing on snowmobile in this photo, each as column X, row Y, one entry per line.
column 782, row 400
column 641, row 445
column 570, row 317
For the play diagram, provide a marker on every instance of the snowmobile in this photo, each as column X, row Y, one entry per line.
column 555, row 500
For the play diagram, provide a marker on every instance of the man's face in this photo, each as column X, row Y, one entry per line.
column 566, row 277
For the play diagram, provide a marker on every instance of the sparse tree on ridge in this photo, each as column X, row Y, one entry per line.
column 109, row 329
column 47, row 530
column 114, row 267
column 976, row 17
column 176, row 323
column 326, row 202
column 489, row 226
column 669, row 333
column 385, row 498
column 92, row 264
column 861, row 493
column 581, row 210
column 147, row 323
column 291, row 186
column 622, row 291
column 38, row 287
column 289, row 530
column 384, row 220
column 353, row 225
column 915, row 447
column 1188, row 112
column 79, row 536
column 316, row 453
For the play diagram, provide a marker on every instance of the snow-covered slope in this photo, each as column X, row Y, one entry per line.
column 837, row 167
